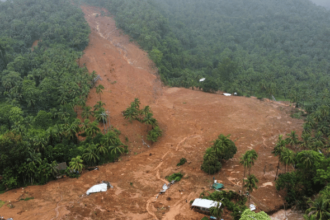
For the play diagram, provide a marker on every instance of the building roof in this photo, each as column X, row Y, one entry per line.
column 205, row 203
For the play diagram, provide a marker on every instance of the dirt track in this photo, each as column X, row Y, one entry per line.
column 190, row 120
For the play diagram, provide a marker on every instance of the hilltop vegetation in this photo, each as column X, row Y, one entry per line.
column 253, row 47
column 40, row 90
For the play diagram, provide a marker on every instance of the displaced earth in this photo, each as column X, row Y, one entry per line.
column 190, row 119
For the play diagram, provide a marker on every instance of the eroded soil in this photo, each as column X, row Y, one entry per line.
column 190, row 119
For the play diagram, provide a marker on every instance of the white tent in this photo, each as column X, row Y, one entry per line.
column 97, row 188
column 205, row 204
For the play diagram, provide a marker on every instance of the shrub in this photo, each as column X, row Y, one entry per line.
column 175, row 176
column 182, row 161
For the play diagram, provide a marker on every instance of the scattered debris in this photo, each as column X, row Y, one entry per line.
column 92, row 168
column 226, row 94
column 252, row 207
column 144, row 143
column 165, row 187
column 61, row 166
column 108, row 184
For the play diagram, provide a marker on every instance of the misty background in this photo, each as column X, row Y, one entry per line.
column 325, row 3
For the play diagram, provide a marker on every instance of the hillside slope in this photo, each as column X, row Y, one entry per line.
column 190, row 120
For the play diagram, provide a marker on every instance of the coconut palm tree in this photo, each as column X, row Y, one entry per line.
column 86, row 113
column 319, row 208
column 292, row 139
column 278, row 149
column 102, row 150
column 247, row 160
column 116, row 149
column 306, row 140
column 287, row 157
column 98, row 105
column 90, row 154
column 99, row 90
column 250, row 184
column 76, row 164
column 93, row 129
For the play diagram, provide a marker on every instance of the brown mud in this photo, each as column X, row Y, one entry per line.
column 190, row 119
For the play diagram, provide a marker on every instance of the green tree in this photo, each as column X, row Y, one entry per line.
column 250, row 184
column 99, row 90
column 319, row 208
column 86, row 113
column 287, row 157
column 76, row 164
column 247, row 160
column 211, row 162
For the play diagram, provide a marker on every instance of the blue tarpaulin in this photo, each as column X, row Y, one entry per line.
column 217, row 186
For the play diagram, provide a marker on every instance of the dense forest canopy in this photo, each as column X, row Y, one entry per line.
column 254, row 47
column 40, row 90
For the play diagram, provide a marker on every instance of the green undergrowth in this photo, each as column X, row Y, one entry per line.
column 182, row 161
column 2, row 203
column 175, row 176
column 232, row 201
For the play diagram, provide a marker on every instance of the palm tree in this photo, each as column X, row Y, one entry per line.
column 146, row 110
column 216, row 211
column 319, row 208
column 137, row 103
column 287, row 157
column 73, row 129
column 247, row 160
column 98, row 105
column 90, row 154
column 131, row 113
column 306, row 140
column 116, row 149
column 278, row 149
column 111, row 139
column 292, row 139
column 221, row 144
column 250, row 184
column 92, row 130
column 76, row 164
column 306, row 158
column 53, row 168
column 99, row 90
column 86, row 113
column 102, row 150
column 149, row 120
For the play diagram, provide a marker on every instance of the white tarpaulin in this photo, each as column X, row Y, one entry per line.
column 202, row 80
column 165, row 187
column 205, row 203
column 226, row 94
column 252, row 207
column 97, row 188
